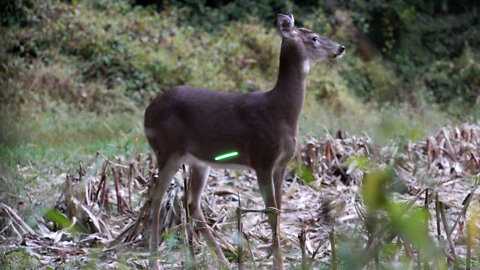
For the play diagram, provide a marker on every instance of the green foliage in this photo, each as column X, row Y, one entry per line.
column 456, row 82
column 170, row 240
column 304, row 173
column 209, row 15
column 412, row 36
column 387, row 219
column 23, row 12
column 60, row 220
column 427, row 42
column 19, row 259
column 374, row 188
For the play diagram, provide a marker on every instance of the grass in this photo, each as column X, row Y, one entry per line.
column 55, row 136
column 38, row 148
column 397, row 122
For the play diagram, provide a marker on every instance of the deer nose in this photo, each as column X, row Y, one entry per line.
column 341, row 49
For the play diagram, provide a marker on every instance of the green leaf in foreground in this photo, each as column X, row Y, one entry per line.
column 61, row 220
column 304, row 173
column 374, row 188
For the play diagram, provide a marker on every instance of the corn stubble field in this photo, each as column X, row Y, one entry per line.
column 390, row 186
column 419, row 207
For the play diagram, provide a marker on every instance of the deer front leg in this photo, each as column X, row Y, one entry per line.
column 267, row 189
column 278, row 177
column 165, row 175
column 199, row 176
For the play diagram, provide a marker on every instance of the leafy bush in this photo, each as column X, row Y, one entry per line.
column 455, row 82
column 424, row 39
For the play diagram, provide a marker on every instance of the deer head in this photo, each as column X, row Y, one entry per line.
column 312, row 47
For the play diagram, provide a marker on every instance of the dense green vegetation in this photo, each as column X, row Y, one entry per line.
column 426, row 45
column 75, row 76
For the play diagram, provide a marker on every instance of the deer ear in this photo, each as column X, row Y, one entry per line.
column 285, row 24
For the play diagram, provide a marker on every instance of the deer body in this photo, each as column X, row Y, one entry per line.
column 193, row 125
column 237, row 122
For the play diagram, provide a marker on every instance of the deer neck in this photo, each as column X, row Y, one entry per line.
column 288, row 95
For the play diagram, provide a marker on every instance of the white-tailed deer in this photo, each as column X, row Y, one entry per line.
column 256, row 130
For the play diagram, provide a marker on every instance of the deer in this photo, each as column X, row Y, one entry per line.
column 203, row 128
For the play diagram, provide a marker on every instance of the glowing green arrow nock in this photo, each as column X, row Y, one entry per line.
column 227, row 155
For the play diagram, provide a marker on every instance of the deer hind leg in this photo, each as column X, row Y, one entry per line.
column 199, row 176
column 166, row 173
column 267, row 189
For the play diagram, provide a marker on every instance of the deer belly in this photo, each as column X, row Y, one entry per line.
column 190, row 159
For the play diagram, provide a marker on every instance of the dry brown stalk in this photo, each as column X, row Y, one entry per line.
column 141, row 180
column 475, row 159
column 136, row 227
column 302, row 239
column 466, row 203
column 102, row 183
column 339, row 165
column 291, row 190
column 104, row 196
column 88, row 193
column 471, row 234
column 29, row 196
column 429, row 154
column 268, row 210
column 471, row 136
column 426, row 199
column 311, row 156
column 111, row 162
column 328, row 152
column 450, row 149
column 334, row 252
column 94, row 219
column 414, row 199
column 121, row 245
column 188, row 220
column 69, row 194
column 80, row 172
column 117, row 190
column 437, row 214
column 239, row 236
column 426, row 205
column 14, row 196
column 10, row 222
column 250, row 250
column 359, row 212
column 445, row 225
column 130, row 179
column 19, row 235
column 408, row 249
column 125, row 204
column 17, row 219
column 96, row 164
column 223, row 243
column 469, row 252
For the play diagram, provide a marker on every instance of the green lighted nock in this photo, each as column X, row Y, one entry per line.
column 227, row 155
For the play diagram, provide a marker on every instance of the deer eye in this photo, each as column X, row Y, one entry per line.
column 314, row 39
